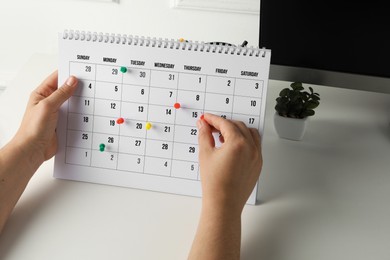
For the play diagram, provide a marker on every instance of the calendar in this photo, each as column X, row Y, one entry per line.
column 132, row 120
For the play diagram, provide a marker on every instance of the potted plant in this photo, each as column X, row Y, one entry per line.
column 293, row 106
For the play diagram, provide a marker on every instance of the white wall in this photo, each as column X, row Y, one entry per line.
column 31, row 26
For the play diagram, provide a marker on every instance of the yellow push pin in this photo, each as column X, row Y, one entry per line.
column 181, row 40
column 148, row 126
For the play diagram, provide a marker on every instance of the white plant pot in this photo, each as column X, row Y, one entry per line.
column 290, row 128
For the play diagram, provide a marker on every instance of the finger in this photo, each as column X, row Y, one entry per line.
column 205, row 137
column 48, row 86
column 213, row 129
column 58, row 97
column 243, row 128
column 225, row 126
column 221, row 139
column 256, row 137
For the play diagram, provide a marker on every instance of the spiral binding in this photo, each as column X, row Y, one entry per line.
column 162, row 43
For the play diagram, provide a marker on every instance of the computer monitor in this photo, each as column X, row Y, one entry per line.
column 333, row 43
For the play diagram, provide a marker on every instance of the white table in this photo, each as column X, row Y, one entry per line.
column 325, row 197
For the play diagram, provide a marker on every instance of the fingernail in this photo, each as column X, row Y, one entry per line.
column 70, row 81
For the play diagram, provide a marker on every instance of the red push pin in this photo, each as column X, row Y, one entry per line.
column 120, row 121
column 202, row 117
column 176, row 105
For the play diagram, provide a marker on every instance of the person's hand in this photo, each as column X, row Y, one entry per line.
column 35, row 141
column 37, row 132
column 228, row 173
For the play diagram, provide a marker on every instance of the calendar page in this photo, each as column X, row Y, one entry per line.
column 132, row 120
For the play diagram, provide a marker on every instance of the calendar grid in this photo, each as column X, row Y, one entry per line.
column 203, row 111
column 93, row 117
column 174, row 125
column 206, row 96
column 119, row 135
column 210, row 92
column 234, row 92
column 152, row 139
column 219, row 111
column 147, row 115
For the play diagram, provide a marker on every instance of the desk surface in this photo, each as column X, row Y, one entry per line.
column 325, row 197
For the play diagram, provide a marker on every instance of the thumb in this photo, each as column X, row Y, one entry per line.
column 63, row 93
column 205, row 137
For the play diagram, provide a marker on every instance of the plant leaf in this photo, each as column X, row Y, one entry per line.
column 284, row 92
column 297, row 86
column 312, row 104
column 307, row 113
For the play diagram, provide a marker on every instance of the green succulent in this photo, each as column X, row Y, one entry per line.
column 297, row 103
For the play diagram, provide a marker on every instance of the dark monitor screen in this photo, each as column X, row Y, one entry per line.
column 336, row 43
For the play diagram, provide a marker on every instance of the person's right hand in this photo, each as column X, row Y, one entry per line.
column 230, row 172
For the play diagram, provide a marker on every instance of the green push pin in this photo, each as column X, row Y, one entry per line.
column 123, row 69
column 102, row 147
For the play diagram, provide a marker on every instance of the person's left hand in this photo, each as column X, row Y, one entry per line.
column 37, row 132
